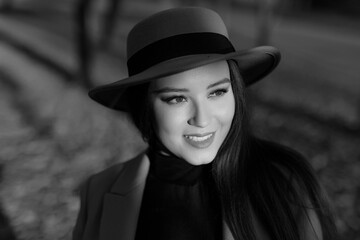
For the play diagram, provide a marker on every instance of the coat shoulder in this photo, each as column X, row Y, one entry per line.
column 107, row 177
column 92, row 195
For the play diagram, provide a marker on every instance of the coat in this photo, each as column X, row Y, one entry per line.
column 111, row 200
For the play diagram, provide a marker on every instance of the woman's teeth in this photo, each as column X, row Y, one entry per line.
column 199, row 139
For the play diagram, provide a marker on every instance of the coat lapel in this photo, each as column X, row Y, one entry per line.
column 122, row 204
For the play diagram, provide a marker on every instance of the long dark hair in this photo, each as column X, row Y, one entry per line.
column 254, row 178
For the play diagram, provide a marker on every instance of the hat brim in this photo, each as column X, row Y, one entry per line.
column 254, row 64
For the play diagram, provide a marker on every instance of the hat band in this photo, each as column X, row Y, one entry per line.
column 178, row 46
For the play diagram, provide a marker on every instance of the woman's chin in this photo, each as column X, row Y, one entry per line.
column 199, row 161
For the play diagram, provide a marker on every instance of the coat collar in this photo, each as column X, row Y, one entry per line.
column 122, row 204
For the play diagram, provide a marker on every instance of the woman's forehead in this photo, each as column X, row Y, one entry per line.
column 203, row 75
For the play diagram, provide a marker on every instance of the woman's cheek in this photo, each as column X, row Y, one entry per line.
column 169, row 120
column 173, row 120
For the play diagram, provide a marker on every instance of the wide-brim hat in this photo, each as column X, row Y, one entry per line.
column 176, row 40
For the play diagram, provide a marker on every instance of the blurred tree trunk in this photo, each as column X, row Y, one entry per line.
column 109, row 23
column 265, row 12
column 83, row 42
column 85, row 47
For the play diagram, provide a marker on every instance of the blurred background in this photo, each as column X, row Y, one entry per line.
column 52, row 137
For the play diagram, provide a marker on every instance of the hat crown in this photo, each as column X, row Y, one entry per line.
column 173, row 22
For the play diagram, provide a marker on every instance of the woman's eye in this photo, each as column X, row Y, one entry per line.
column 218, row 93
column 174, row 100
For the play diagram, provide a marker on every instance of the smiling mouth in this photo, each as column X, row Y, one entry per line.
column 200, row 140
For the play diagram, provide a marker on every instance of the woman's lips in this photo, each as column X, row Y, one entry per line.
column 200, row 140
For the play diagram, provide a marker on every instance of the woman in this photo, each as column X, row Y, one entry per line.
column 204, row 176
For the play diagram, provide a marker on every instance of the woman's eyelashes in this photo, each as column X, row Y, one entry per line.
column 173, row 99
column 219, row 92
column 181, row 99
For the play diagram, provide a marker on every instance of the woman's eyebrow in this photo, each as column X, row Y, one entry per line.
column 225, row 80
column 169, row 89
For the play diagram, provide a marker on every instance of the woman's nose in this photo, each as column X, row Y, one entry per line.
column 200, row 116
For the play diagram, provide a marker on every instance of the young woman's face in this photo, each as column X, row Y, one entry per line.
column 193, row 111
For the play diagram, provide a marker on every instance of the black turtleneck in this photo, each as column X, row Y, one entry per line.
column 179, row 201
